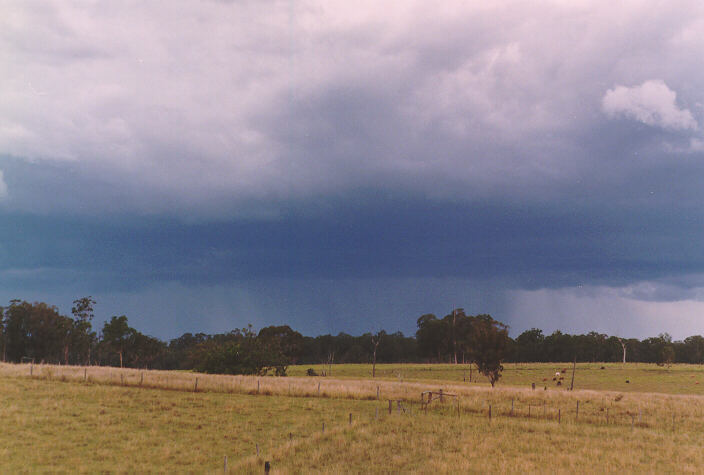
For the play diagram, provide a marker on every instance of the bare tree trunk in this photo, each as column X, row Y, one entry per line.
column 374, row 365
column 574, row 366
column 623, row 345
column 454, row 335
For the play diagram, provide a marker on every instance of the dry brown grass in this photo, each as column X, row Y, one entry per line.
column 595, row 407
column 97, row 419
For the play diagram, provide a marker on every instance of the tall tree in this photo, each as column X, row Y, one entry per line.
column 489, row 346
column 376, row 339
column 116, row 335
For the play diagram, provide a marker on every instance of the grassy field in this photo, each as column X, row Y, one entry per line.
column 638, row 377
column 106, row 419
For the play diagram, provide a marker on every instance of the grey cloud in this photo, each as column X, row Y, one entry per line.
column 214, row 105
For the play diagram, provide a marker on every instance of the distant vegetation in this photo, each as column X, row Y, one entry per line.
column 37, row 331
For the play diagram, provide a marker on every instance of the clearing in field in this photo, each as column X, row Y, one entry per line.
column 100, row 419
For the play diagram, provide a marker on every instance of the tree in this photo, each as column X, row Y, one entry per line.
column 667, row 355
column 116, row 335
column 489, row 346
column 282, row 341
column 242, row 353
column 432, row 336
column 376, row 339
column 623, row 345
column 82, row 337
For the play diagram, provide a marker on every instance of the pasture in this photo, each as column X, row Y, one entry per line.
column 107, row 419
column 632, row 377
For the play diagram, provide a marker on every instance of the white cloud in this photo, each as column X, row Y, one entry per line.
column 231, row 102
column 652, row 103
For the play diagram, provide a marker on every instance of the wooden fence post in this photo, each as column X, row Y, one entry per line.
column 441, row 398
column 257, row 450
column 85, row 374
column 225, row 465
column 544, row 409
column 350, row 418
column 257, row 386
column 607, row 416
column 376, row 413
column 267, row 467
column 511, row 406
column 323, row 427
column 377, row 393
column 559, row 416
column 141, row 378
column 195, row 386
column 529, row 411
column 489, row 411
column 390, row 402
column 318, row 388
column 576, row 417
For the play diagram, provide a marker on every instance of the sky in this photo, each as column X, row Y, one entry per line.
column 350, row 166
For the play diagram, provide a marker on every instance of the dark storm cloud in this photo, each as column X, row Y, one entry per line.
column 537, row 151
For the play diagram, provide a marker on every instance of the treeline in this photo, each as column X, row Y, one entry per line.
column 39, row 332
